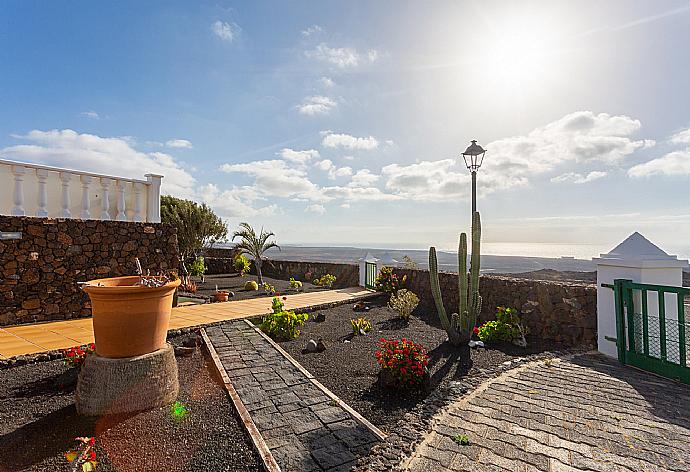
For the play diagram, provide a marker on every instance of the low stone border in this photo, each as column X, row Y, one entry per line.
column 270, row 464
column 410, row 431
column 359, row 418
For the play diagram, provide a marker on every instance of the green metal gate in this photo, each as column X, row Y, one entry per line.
column 370, row 273
column 651, row 328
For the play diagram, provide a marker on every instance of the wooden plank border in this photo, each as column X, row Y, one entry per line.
column 359, row 418
column 258, row 442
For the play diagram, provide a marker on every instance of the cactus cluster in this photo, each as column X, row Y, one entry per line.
column 460, row 325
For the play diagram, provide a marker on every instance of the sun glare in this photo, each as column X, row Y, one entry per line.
column 516, row 55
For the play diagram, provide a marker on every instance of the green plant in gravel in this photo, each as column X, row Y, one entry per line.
column 460, row 325
column 461, row 439
column 360, row 326
column 284, row 325
column 404, row 302
column 507, row 327
column 277, row 305
column 268, row 288
column 241, row 264
column 326, row 280
column 295, row 284
column 251, row 285
column 198, row 267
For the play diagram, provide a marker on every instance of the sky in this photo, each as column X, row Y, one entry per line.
column 343, row 123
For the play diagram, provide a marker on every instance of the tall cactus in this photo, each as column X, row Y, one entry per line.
column 460, row 325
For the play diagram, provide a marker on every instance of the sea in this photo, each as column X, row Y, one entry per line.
column 500, row 258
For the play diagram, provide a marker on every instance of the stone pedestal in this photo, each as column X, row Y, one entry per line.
column 109, row 386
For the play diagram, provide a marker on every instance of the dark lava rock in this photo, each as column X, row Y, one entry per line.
column 183, row 351
column 320, row 317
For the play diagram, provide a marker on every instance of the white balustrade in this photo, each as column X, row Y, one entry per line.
column 52, row 192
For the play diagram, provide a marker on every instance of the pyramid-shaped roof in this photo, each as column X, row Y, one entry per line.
column 639, row 250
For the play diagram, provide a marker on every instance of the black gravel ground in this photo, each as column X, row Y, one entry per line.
column 38, row 422
column 350, row 369
column 234, row 283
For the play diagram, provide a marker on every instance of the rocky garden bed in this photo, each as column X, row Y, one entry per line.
column 39, row 424
column 349, row 367
column 236, row 284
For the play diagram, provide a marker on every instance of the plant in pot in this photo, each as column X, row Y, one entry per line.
column 131, row 314
column 221, row 295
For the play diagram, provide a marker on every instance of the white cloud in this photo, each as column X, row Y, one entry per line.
column 673, row 163
column 225, row 31
column 111, row 156
column 234, row 202
column 581, row 137
column 343, row 58
column 90, row 114
column 334, row 140
column 298, row 157
column 313, row 29
column 682, row 137
column 315, row 208
column 579, row 178
column 276, row 178
column 326, row 82
column 333, row 171
column 179, row 143
column 363, row 178
column 358, row 194
column 316, row 105
column 345, row 205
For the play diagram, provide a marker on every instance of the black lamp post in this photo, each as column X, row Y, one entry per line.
column 474, row 156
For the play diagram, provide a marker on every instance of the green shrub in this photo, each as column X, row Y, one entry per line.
column 268, row 288
column 404, row 302
column 325, row 281
column 283, row 325
column 507, row 328
column 295, row 284
column 198, row 267
column 277, row 305
column 251, row 285
column 241, row 264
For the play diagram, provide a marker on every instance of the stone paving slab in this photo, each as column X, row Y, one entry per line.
column 588, row 413
column 304, row 429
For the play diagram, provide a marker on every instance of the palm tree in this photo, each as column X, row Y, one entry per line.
column 254, row 245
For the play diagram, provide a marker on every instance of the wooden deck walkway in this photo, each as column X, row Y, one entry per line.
column 41, row 337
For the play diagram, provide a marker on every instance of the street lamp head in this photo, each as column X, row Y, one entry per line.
column 474, row 156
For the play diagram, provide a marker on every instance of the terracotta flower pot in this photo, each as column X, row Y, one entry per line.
column 222, row 296
column 128, row 319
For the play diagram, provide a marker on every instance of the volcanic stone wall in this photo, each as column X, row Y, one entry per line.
column 564, row 312
column 347, row 275
column 39, row 273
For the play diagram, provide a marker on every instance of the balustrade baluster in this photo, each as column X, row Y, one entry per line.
column 42, row 176
column 85, row 203
column 65, row 179
column 105, row 201
column 18, row 172
column 121, row 215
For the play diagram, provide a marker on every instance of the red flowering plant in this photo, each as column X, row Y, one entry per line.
column 74, row 356
column 389, row 282
column 404, row 359
column 83, row 457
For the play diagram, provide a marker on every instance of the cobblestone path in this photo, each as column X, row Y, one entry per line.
column 304, row 429
column 588, row 413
